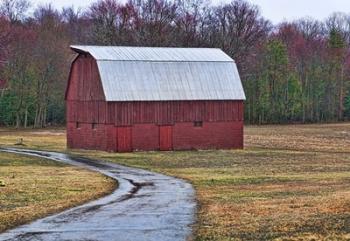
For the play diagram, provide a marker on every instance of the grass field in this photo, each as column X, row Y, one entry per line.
column 31, row 188
column 290, row 183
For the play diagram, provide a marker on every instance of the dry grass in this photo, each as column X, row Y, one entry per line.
column 53, row 139
column 290, row 183
column 34, row 188
column 325, row 138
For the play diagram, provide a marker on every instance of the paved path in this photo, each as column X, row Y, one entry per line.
column 146, row 206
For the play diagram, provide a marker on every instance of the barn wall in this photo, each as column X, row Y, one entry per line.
column 213, row 135
column 103, row 137
column 146, row 137
column 160, row 113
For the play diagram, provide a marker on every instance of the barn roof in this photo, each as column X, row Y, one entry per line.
column 165, row 74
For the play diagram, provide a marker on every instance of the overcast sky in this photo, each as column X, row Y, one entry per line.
column 275, row 10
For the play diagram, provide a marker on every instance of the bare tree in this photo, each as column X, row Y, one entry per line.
column 190, row 22
column 50, row 52
column 237, row 27
column 155, row 22
column 14, row 10
column 106, row 19
column 5, row 39
column 19, row 71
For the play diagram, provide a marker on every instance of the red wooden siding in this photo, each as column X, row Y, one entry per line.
column 161, row 113
column 84, row 83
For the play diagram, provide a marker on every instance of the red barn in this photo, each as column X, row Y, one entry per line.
column 127, row 99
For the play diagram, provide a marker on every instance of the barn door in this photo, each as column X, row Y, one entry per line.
column 166, row 138
column 124, row 139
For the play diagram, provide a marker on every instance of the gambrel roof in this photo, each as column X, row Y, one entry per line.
column 165, row 74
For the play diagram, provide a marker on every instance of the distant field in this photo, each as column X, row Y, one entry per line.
column 290, row 183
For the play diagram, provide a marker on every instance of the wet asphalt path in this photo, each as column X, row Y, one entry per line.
column 146, row 206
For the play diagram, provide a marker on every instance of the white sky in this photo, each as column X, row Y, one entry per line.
column 275, row 10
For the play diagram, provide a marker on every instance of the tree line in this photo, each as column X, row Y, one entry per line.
column 292, row 72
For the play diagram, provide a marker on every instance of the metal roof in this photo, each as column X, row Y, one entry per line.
column 154, row 54
column 165, row 74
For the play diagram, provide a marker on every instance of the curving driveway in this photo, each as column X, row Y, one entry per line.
column 146, row 206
